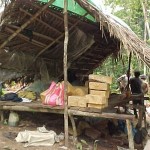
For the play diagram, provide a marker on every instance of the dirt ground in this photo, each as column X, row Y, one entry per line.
column 30, row 121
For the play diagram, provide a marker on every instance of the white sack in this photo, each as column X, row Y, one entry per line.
column 41, row 137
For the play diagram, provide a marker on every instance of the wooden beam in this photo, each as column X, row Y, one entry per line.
column 94, row 55
column 34, row 42
column 87, row 58
column 48, row 46
column 76, row 68
column 102, row 115
column 85, row 63
column 39, row 20
column 77, row 55
column 35, row 33
column 18, row 45
column 26, row 24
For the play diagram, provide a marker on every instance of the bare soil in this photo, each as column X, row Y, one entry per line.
column 30, row 121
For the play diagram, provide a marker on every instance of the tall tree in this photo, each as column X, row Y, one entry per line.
column 144, row 4
column 146, row 24
column 130, row 11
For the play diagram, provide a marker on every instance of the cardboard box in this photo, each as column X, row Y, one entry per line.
column 100, row 78
column 99, row 86
column 102, row 93
column 78, row 101
column 96, row 99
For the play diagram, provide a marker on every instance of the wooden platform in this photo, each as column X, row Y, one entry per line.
column 37, row 106
column 72, row 111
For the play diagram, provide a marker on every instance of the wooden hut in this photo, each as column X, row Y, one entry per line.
column 32, row 39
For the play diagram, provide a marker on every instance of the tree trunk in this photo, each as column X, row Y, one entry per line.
column 146, row 24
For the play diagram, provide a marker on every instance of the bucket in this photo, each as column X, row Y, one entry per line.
column 13, row 119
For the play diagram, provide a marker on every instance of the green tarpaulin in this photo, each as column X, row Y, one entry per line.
column 72, row 7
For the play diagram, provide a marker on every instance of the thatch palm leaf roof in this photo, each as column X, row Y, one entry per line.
column 90, row 41
column 127, row 37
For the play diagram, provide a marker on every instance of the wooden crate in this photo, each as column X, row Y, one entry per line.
column 98, row 106
column 96, row 99
column 102, row 93
column 99, row 86
column 78, row 101
column 80, row 91
column 100, row 78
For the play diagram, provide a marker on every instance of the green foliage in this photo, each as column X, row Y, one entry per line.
column 130, row 11
column 117, row 67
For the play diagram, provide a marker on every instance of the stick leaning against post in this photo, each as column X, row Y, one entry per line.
column 26, row 23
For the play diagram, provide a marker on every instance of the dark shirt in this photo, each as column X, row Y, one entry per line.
column 136, row 85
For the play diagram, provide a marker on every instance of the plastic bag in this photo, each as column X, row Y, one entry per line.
column 49, row 90
column 55, row 94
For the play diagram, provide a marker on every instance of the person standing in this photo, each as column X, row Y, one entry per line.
column 123, row 82
column 136, row 88
column 145, row 85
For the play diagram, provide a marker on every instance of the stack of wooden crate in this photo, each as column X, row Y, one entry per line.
column 95, row 95
column 99, row 91
column 76, row 96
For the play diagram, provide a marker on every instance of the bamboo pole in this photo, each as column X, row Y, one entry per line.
column 65, row 71
column 26, row 24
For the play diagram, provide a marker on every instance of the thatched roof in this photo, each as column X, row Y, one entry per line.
column 41, row 42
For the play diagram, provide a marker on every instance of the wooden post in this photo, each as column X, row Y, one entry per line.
column 130, row 135
column 2, row 116
column 26, row 24
column 65, row 71
column 140, row 119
